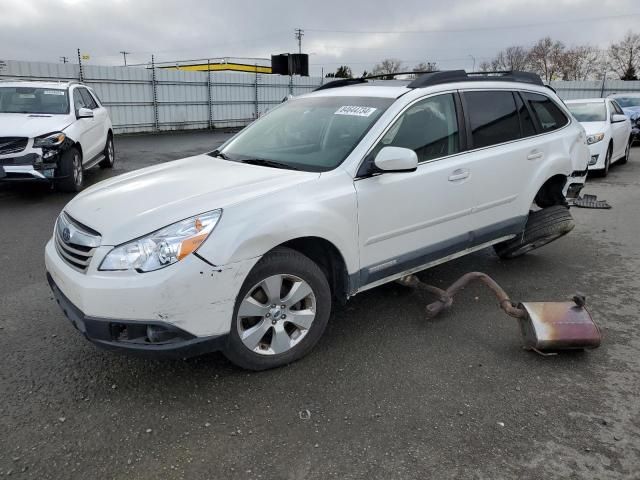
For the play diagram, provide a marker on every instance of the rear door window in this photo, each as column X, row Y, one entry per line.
column 527, row 125
column 493, row 117
column 547, row 113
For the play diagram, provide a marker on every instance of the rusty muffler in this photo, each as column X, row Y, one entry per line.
column 546, row 327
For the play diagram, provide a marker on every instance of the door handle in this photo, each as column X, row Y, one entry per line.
column 535, row 155
column 459, row 174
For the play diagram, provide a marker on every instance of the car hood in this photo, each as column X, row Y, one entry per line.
column 31, row 125
column 143, row 201
column 594, row 127
column 631, row 111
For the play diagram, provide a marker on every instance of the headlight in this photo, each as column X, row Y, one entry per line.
column 591, row 139
column 49, row 140
column 163, row 247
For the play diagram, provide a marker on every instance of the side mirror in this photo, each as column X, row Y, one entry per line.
column 84, row 113
column 617, row 118
column 396, row 159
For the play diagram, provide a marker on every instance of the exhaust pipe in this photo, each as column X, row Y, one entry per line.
column 546, row 327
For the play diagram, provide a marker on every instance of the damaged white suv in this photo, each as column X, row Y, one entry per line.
column 52, row 132
column 332, row 193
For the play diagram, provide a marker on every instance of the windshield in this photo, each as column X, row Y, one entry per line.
column 50, row 101
column 313, row 134
column 588, row 112
column 625, row 102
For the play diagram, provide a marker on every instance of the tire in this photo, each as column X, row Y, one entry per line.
column 543, row 227
column 70, row 168
column 627, row 151
column 109, row 154
column 270, row 338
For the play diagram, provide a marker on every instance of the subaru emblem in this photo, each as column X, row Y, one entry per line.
column 66, row 234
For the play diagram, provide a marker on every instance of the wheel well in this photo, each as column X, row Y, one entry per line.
column 328, row 258
column 550, row 193
column 110, row 133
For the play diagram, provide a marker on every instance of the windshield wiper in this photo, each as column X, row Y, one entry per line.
column 219, row 154
column 268, row 163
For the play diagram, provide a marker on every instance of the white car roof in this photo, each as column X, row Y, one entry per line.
column 35, row 84
column 586, row 100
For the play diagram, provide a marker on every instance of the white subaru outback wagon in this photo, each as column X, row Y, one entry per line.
column 331, row 193
column 52, row 132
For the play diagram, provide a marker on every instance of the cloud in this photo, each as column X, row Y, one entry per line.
column 451, row 33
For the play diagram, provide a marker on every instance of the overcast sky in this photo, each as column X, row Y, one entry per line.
column 357, row 33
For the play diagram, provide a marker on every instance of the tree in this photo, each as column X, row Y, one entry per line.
column 343, row 72
column 426, row 67
column 581, row 63
column 485, row 66
column 510, row 59
column 545, row 58
column 387, row 66
column 623, row 56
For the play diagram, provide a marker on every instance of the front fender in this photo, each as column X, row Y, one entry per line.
column 326, row 208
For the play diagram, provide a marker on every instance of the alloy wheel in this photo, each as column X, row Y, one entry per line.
column 77, row 170
column 276, row 314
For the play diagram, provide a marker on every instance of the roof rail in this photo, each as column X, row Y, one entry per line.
column 343, row 82
column 428, row 79
column 447, row 76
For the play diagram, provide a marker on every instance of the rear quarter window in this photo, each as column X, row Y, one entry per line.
column 549, row 116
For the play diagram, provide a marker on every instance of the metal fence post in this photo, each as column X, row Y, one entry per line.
column 80, row 73
column 290, row 84
column 257, row 109
column 209, row 99
column 155, row 93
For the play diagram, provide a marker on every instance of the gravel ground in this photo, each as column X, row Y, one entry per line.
column 386, row 393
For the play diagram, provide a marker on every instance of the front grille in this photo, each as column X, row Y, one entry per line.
column 75, row 242
column 29, row 159
column 12, row 144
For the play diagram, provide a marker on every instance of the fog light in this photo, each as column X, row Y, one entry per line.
column 157, row 334
column 594, row 160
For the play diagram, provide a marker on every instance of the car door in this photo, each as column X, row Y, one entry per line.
column 506, row 155
column 91, row 142
column 407, row 220
column 101, row 116
column 619, row 130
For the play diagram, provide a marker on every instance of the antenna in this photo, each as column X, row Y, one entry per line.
column 299, row 33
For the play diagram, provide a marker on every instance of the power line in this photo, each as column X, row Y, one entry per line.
column 299, row 33
column 475, row 29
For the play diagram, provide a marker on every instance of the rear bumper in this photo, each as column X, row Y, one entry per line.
column 112, row 334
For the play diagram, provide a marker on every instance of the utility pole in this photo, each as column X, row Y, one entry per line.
column 64, row 59
column 124, row 55
column 474, row 62
column 299, row 33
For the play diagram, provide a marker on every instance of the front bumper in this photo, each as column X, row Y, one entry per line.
column 114, row 334
column 598, row 153
column 191, row 295
column 31, row 164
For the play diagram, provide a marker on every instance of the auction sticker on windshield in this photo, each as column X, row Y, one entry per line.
column 354, row 110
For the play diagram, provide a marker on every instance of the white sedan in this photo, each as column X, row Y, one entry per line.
column 608, row 131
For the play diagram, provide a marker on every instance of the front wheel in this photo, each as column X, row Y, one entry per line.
column 71, row 171
column 281, row 311
column 543, row 227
